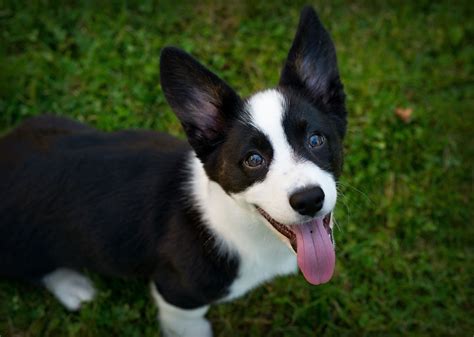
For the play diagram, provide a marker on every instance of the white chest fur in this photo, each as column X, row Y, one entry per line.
column 261, row 264
column 240, row 230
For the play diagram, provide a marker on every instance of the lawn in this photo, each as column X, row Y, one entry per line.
column 405, row 236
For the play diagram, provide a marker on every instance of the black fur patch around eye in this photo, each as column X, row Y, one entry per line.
column 226, row 165
column 301, row 120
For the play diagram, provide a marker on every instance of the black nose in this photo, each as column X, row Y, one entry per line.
column 308, row 201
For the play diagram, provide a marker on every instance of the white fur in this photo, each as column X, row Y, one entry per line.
column 241, row 230
column 287, row 172
column 177, row 322
column 69, row 287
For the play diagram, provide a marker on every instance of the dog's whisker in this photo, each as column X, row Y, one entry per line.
column 347, row 185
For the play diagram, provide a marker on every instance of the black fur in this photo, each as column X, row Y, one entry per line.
column 204, row 103
column 301, row 120
column 227, row 167
column 314, row 95
column 311, row 69
column 112, row 203
column 215, row 121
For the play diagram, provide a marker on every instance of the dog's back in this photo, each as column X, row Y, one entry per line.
column 62, row 179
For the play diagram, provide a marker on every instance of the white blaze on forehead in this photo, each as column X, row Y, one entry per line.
column 287, row 172
column 266, row 110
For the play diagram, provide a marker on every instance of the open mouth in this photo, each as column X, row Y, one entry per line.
column 289, row 233
column 313, row 243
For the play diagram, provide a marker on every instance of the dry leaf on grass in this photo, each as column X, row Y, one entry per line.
column 404, row 114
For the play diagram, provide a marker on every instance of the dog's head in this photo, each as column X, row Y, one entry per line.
column 280, row 150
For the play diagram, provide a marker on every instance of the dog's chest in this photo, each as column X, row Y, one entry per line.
column 261, row 254
column 239, row 230
column 260, row 265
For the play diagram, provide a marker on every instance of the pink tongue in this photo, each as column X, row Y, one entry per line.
column 316, row 256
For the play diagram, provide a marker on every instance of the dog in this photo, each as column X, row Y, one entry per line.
column 248, row 197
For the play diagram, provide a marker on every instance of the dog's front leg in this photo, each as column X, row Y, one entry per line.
column 177, row 322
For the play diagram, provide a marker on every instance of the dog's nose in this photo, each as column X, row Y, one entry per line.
column 308, row 201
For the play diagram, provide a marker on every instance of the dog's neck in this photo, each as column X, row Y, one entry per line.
column 239, row 229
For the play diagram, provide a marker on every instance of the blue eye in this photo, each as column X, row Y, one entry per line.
column 316, row 140
column 254, row 160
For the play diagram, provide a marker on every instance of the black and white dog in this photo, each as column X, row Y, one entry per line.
column 204, row 223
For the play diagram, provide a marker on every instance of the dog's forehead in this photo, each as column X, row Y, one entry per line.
column 278, row 115
column 266, row 110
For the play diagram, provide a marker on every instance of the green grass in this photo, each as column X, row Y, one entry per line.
column 405, row 238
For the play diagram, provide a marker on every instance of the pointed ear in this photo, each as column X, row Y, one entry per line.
column 311, row 67
column 205, row 105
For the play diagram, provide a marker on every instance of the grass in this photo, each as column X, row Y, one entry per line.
column 405, row 238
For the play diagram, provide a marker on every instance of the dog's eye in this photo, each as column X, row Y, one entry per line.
column 254, row 160
column 316, row 140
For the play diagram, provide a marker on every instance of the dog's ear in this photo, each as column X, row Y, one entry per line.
column 205, row 104
column 311, row 67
